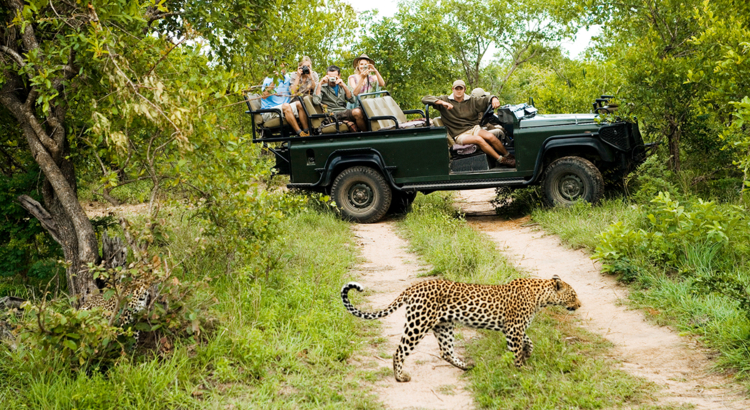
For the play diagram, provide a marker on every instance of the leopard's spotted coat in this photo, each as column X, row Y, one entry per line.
column 438, row 305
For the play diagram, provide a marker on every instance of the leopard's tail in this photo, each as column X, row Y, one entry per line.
column 367, row 315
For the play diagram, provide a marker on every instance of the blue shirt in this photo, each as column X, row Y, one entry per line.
column 282, row 87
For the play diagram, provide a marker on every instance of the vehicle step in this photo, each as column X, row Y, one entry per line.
column 476, row 184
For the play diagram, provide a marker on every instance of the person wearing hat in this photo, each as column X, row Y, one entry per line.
column 365, row 76
column 461, row 114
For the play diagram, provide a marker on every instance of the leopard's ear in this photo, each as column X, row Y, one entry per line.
column 558, row 282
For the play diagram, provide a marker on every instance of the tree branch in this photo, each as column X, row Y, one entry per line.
column 37, row 210
column 16, row 57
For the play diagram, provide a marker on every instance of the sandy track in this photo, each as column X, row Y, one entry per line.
column 655, row 353
column 388, row 270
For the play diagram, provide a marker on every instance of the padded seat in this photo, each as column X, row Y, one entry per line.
column 253, row 105
column 315, row 116
column 387, row 107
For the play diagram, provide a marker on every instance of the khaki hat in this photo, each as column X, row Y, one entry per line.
column 459, row 83
column 362, row 57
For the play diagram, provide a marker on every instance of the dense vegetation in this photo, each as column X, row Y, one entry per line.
column 140, row 102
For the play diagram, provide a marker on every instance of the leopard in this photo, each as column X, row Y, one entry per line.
column 138, row 291
column 439, row 305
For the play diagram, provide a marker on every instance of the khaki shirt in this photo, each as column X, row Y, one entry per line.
column 334, row 102
column 464, row 115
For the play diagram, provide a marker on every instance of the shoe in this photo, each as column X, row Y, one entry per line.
column 507, row 161
column 303, row 133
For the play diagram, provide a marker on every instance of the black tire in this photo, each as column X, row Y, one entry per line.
column 362, row 194
column 571, row 179
column 401, row 202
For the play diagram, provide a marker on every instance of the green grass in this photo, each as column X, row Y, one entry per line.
column 667, row 295
column 579, row 225
column 569, row 367
column 276, row 343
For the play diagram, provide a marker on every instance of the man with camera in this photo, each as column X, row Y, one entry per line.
column 276, row 95
column 334, row 93
column 461, row 113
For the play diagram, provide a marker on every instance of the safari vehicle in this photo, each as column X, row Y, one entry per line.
column 381, row 169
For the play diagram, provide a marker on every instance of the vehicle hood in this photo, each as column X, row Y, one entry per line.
column 545, row 120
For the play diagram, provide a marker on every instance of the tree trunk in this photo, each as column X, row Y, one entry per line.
column 45, row 134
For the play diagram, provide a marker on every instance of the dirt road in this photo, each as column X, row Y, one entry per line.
column 388, row 270
column 655, row 353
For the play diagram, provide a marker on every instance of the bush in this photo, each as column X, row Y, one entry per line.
column 517, row 202
column 672, row 229
column 649, row 179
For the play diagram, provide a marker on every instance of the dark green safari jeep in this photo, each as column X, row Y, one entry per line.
column 381, row 169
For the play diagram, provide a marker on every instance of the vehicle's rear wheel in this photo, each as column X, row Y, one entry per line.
column 571, row 179
column 362, row 194
column 401, row 202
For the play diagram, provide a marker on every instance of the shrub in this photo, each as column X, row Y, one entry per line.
column 672, row 229
column 649, row 179
column 514, row 203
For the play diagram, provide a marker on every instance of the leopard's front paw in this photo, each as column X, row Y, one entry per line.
column 404, row 378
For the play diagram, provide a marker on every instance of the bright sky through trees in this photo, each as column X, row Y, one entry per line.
column 388, row 8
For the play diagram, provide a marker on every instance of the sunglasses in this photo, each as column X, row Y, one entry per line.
column 459, row 88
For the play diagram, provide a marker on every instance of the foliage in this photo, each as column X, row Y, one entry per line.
column 672, row 229
column 513, row 203
column 733, row 286
column 738, row 136
column 650, row 178
column 79, row 338
column 25, row 249
column 427, row 45
column 276, row 342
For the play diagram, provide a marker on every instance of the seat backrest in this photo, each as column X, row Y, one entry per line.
column 382, row 106
column 437, row 121
column 313, row 109
column 253, row 103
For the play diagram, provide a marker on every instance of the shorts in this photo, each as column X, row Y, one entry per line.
column 268, row 116
column 473, row 132
column 345, row 115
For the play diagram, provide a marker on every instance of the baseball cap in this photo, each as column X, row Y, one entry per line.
column 459, row 83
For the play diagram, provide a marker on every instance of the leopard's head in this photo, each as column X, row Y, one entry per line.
column 564, row 295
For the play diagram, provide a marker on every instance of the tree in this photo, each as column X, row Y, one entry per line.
column 74, row 73
column 428, row 44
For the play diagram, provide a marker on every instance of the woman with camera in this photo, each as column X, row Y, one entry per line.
column 305, row 79
column 366, row 77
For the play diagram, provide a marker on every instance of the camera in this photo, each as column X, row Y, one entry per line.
column 305, row 70
column 331, row 81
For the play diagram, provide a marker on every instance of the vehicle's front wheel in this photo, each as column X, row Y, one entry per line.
column 571, row 179
column 362, row 194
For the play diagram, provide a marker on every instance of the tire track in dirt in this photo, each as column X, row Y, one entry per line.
column 388, row 270
column 677, row 365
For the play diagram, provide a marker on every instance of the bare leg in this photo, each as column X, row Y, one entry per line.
column 302, row 116
column 492, row 140
column 483, row 145
column 359, row 118
column 289, row 116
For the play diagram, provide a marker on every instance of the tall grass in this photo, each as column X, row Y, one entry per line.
column 568, row 368
column 279, row 342
column 579, row 225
